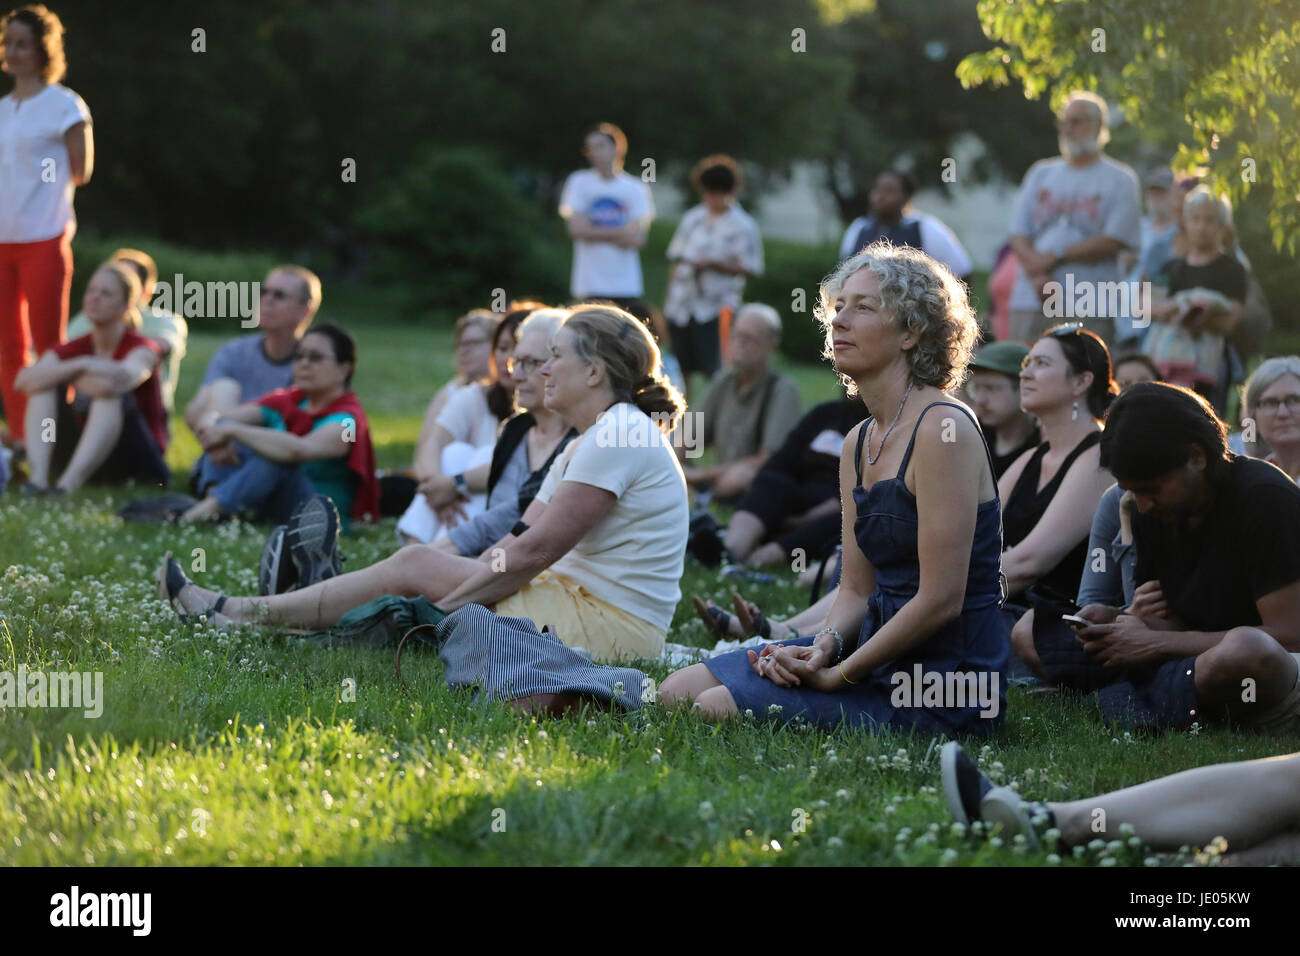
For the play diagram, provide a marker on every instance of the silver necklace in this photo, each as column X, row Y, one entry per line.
column 871, row 427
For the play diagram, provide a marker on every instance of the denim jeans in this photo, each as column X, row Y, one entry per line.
column 256, row 487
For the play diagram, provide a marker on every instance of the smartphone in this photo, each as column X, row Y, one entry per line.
column 1075, row 620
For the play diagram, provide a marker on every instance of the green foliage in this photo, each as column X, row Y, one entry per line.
column 1221, row 79
column 455, row 217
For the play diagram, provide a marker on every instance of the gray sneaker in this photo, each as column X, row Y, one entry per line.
column 312, row 537
column 276, row 573
column 1004, row 806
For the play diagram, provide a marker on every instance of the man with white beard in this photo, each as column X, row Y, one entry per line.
column 1074, row 215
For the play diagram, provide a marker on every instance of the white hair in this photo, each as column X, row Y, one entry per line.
column 1201, row 196
column 546, row 321
column 770, row 318
column 1100, row 112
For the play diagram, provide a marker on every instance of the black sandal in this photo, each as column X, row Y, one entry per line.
column 171, row 580
column 715, row 619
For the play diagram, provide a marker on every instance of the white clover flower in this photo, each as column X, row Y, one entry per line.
column 706, row 810
column 1053, row 860
column 1106, row 861
column 835, row 842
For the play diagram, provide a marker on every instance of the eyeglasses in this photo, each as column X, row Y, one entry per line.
column 524, row 366
column 279, row 295
column 312, row 358
column 1270, row 406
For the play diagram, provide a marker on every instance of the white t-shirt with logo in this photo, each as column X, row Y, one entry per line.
column 1060, row 205
column 36, row 184
column 633, row 557
column 602, row 269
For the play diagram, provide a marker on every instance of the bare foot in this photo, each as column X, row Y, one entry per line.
column 771, row 553
column 206, row 510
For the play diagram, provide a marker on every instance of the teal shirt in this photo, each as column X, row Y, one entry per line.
column 329, row 476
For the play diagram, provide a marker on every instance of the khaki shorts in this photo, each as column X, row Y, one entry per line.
column 1281, row 718
column 580, row 619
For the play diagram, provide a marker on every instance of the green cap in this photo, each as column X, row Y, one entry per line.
column 1004, row 357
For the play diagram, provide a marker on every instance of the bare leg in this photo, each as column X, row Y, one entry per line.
column 686, row 684
column 768, row 554
column 1280, row 850
column 743, row 534
column 412, row 571
column 103, row 429
column 718, row 704
column 209, row 509
column 1246, row 803
column 1244, row 653
column 41, row 407
column 1022, row 642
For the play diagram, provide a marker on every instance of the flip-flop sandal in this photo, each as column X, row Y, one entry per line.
column 758, row 625
column 715, row 619
column 172, row 580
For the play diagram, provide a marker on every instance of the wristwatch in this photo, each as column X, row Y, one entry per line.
column 462, row 486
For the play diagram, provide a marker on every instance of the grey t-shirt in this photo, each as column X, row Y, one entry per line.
column 1060, row 205
column 244, row 361
column 475, row 536
column 1109, row 577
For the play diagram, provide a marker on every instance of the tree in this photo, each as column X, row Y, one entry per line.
column 906, row 106
column 1218, row 77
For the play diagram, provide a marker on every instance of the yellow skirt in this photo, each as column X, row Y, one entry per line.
column 580, row 619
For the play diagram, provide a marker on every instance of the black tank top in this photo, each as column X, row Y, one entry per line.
column 1026, row 506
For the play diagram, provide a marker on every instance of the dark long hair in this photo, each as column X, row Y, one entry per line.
column 1086, row 352
column 501, row 400
column 1151, row 429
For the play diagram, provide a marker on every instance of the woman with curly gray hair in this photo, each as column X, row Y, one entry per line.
column 914, row 638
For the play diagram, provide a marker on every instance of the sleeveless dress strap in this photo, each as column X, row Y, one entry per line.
column 857, row 459
column 907, row 455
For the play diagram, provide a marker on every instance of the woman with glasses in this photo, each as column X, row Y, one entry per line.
column 116, row 428
column 308, row 439
column 527, row 446
column 1271, row 399
column 598, row 554
column 453, row 454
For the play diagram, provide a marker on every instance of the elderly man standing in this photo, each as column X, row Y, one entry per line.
column 1074, row 215
column 749, row 409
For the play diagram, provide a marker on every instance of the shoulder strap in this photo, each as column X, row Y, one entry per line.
column 512, row 433
column 762, row 409
column 907, row 455
column 862, row 437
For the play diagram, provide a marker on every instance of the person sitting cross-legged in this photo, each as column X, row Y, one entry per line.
column 598, row 555
column 313, row 437
column 748, row 410
column 1213, row 632
column 116, row 428
column 921, row 529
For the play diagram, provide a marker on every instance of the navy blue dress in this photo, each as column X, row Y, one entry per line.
column 975, row 645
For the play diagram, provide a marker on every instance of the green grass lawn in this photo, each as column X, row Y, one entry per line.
column 249, row 748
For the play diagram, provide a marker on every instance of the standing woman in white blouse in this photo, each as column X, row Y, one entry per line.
column 46, row 152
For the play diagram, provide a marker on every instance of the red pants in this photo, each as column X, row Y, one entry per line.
column 35, row 279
